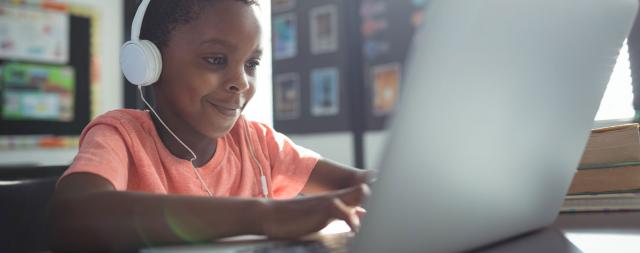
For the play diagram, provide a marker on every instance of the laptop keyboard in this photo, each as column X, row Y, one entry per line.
column 337, row 243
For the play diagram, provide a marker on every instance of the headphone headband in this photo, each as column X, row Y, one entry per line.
column 140, row 60
column 136, row 26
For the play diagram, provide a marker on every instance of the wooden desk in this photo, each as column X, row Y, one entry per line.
column 561, row 237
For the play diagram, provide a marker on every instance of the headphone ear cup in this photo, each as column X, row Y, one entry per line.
column 156, row 61
column 141, row 62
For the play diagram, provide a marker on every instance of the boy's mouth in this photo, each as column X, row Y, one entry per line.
column 225, row 109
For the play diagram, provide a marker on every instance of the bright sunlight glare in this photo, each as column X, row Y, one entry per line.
column 617, row 102
column 605, row 243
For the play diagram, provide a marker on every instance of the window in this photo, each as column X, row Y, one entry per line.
column 617, row 102
column 261, row 106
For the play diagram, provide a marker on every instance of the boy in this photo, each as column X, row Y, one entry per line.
column 197, row 170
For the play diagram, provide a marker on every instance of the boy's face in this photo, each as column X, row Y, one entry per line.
column 209, row 68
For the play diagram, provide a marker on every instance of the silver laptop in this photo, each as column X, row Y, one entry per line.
column 499, row 100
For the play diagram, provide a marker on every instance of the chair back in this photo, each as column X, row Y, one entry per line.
column 24, row 197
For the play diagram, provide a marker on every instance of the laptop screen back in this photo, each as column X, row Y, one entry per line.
column 498, row 102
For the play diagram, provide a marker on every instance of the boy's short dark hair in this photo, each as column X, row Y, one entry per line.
column 163, row 16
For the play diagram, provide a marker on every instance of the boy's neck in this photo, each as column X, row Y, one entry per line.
column 201, row 145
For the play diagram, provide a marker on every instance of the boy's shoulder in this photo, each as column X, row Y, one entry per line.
column 255, row 126
column 125, row 115
column 126, row 118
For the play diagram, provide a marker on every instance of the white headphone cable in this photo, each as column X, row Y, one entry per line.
column 204, row 185
column 263, row 178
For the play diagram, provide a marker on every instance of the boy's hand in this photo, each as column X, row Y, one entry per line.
column 303, row 216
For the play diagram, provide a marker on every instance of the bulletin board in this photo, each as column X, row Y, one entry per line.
column 387, row 31
column 310, row 66
column 30, row 85
column 308, row 61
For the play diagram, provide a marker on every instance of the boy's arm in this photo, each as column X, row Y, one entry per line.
column 87, row 215
column 328, row 176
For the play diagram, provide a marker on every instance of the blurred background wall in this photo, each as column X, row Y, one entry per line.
column 330, row 80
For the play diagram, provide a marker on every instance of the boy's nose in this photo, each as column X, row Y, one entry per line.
column 237, row 87
column 238, row 84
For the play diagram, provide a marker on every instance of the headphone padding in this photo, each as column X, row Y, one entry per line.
column 141, row 62
column 156, row 62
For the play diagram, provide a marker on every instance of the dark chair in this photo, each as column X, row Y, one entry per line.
column 24, row 196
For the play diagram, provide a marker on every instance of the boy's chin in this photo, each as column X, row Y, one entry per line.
column 219, row 131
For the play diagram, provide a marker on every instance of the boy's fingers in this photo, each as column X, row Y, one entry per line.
column 346, row 213
column 371, row 176
column 354, row 196
column 360, row 211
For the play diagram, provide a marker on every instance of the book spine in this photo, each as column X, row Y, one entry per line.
column 607, row 165
column 600, row 203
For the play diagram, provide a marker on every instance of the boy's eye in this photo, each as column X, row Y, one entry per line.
column 216, row 60
column 252, row 64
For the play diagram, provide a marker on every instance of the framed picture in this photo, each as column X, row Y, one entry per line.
column 287, row 96
column 282, row 5
column 34, row 35
column 386, row 82
column 323, row 22
column 325, row 95
column 285, row 40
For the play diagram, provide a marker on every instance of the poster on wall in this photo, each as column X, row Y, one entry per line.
column 325, row 92
column 34, row 35
column 387, row 28
column 287, row 96
column 309, row 63
column 37, row 92
column 285, row 41
column 323, row 22
column 282, row 5
column 386, row 82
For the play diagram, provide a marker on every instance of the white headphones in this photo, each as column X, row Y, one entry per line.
column 140, row 60
column 141, row 64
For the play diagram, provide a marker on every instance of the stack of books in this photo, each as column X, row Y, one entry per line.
column 608, row 178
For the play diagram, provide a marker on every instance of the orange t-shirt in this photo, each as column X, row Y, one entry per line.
column 123, row 147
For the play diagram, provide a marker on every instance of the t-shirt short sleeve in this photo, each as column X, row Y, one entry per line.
column 291, row 165
column 103, row 152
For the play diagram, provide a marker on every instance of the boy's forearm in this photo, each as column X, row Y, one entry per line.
column 110, row 221
column 366, row 177
column 328, row 175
